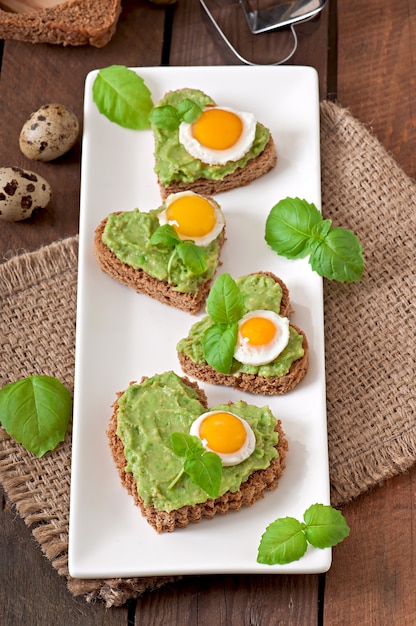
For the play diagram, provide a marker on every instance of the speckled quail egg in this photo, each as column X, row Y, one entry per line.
column 49, row 133
column 22, row 193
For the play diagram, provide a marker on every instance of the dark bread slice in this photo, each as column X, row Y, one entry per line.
column 255, row 168
column 250, row 491
column 141, row 282
column 73, row 23
column 252, row 383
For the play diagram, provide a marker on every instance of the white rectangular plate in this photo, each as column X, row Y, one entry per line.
column 122, row 336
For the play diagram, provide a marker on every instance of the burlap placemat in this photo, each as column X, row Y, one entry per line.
column 369, row 330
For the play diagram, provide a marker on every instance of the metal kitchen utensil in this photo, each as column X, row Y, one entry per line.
column 280, row 15
column 264, row 20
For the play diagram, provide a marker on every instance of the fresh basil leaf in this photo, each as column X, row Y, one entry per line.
column 193, row 257
column 289, row 226
column 165, row 117
column 206, row 472
column 35, row 411
column 282, row 542
column 186, row 445
column 321, row 229
column 166, row 236
column 225, row 303
column 218, row 345
column 324, row 526
column 339, row 256
column 122, row 96
column 188, row 110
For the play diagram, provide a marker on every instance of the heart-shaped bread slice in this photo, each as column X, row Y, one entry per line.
column 259, row 291
column 148, row 251
column 216, row 152
column 144, row 418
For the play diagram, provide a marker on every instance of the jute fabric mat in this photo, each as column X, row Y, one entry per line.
column 369, row 333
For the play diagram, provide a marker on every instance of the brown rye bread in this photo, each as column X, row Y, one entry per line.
column 255, row 168
column 252, row 383
column 250, row 491
column 141, row 282
column 72, row 23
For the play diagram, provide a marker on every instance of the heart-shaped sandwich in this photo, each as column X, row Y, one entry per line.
column 170, row 253
column 246, row 341
column 243, row 446
column 205, row 147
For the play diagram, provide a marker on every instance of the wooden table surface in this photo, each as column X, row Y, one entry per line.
column 365, row 53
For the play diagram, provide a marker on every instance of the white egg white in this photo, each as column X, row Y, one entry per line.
column 199, row 241
column 233, row 458
column 263, row 354
column 220, row 157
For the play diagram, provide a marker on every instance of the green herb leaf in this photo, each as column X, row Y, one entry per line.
column 295, row 228
column 186, row 445
column 205, row 471
column 193, row 257
column 325, row 526
column 218, row 345
column 36, row 411
column 188, row 110
column 203, row 468
column 289, row 226
column 166, row 236
column 165, row 117
column 339, row 256
column 122, row 96
column 225, row 303
column 284, row 541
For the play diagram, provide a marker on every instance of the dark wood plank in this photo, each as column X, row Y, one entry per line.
column 377, row 72
column 32, row 75
column 372, row 577
column 196, row 42
column 226, row 600
column 31, row 592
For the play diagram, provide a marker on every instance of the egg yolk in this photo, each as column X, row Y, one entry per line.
column 191, row 216
column 217, row 129
column 223, row 432
column 257, row 331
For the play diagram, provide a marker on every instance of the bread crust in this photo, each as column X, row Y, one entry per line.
column 253, row 383
column 255, row 168
column 74, row 23
column 141, row 282
column 250, row 491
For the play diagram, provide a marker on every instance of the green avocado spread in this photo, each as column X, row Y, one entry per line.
column 175, row 164
column 259, row 292
column 127, row 234
column 147, row 416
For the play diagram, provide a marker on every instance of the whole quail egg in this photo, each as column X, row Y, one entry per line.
column 49, row 132
column 22, row 193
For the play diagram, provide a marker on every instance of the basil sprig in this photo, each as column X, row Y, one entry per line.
column 225, row 306
column 168, row 117
column 192, row 256
column 295, row 228
column 35, row 411
column 203, row 468
column 286, row 539
column 123, row 97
